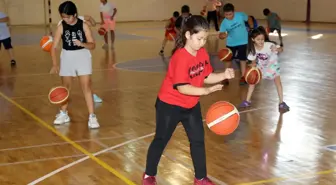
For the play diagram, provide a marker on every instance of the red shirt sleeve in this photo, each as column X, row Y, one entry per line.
column 179, row 69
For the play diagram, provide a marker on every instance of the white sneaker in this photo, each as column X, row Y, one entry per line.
column 93, row 122
column 97, row 99
column 62, row 118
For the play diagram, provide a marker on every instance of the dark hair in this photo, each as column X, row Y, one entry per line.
column 176, row 14
column 253, row 34
column 228, row 7
column 266, row 11
column 68, row 8
column 185, row 9
column 193, row 24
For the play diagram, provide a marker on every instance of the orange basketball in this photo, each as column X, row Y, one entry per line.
column 252, row 75
column 225, row 54
column 171, row 36
column 222, row 118
column 46, row 43
column 58, row 95
column 102, row 31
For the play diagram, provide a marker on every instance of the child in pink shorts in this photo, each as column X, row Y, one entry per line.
column 107, row 14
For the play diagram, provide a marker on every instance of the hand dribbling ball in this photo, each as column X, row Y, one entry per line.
column 58, row 95
column 102, row 31
column 252, row 75
column 225, row 54
column 222, row 118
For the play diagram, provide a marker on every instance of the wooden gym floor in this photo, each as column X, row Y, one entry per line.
column 267, row 148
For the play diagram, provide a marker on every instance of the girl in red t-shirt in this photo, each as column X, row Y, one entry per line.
column 178, row 99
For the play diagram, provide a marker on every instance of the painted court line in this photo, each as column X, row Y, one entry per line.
column 159, row 179
column 77, row 146
column 87, row 157
column 110, row 148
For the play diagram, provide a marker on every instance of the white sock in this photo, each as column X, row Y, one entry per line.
column 92, row 116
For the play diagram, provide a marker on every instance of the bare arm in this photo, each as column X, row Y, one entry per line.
column 214, row 78
column 192, row 90
column 57, row 38
column 114, row 13
column 223, row 35
column 250, row 22
column 90, row 44
column 89, row 20
column 5, row 19
column 101, row 17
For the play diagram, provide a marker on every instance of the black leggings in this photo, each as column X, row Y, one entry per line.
column 167, row 118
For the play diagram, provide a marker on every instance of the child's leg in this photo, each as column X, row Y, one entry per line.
column 167, row 118
column 242, row 56
column 66, row 82
column 85, row 82
column 278, row 85
column 8, row 46
column 247, row 102
column 193, row 125
column 63, row 117
column 280, row 37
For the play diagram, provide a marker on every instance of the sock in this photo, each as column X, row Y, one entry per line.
column 92, row 116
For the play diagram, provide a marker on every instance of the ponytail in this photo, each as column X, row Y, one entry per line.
column 179, row 43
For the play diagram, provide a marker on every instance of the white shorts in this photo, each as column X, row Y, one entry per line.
column 75, row 63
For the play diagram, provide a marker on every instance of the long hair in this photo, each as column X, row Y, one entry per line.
column 68, row 8
column 253, row 34
column 192, row 24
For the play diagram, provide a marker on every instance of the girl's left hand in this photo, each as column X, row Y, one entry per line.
column 77, row 42
column 276, row 49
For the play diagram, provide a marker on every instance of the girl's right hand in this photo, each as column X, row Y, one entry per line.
column 54, row 69
column 254, row 64
column 214, row 88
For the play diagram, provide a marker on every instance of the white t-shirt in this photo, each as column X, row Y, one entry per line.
column 79, row 17
column 4, row 31
column 107, row 9
column 265, row 55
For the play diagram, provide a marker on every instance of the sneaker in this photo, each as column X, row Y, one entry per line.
column 283, row 107
column 62, row 118
column 204, row 181
column 150, row 180
column 105, row 46
column 13, row 62
column 97, row 99
column 242, row 81
column 93, row 122
column 245, row 104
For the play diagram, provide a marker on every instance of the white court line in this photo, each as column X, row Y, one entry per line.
column 87, row 157
column 110, row 148
column 64, row 143
column 159, row 179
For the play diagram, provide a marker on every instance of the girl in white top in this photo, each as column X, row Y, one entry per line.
column 107, row 14
column 264, row 54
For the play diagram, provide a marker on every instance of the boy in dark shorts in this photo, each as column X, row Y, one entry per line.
column 273, row 23
column 234, row 30
column 5, row 38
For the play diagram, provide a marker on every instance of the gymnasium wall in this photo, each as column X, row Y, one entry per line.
column 33, row 12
